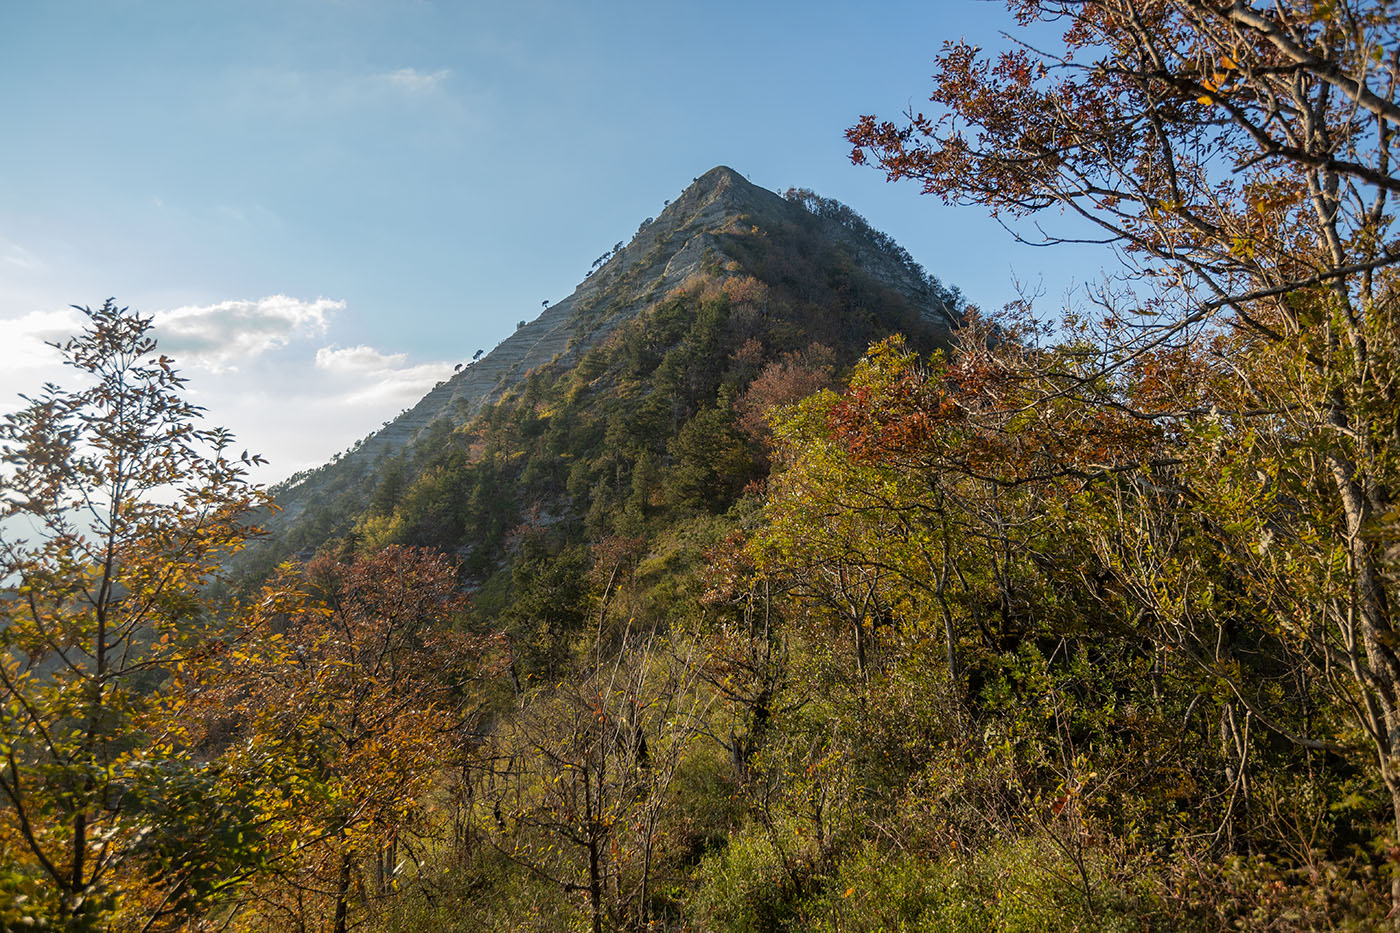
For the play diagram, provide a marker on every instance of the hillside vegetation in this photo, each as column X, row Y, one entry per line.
column 794, row 593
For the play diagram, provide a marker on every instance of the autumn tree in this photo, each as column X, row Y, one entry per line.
column 116, row 507
column 782, row 382
column 746, row 660
column 1240, row 158
column 365, row 695
column 583, row 794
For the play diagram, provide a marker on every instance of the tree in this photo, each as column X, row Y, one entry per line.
column 748, row 650
column 364, row 692
column 782, row 382
column 1241, row 158
column 587, row 792
column 712, row 462
column 115, row 511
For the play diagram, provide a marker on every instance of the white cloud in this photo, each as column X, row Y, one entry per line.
column 401, row 386
column 263, row 370
column 380, row 378
column 296, row 94
column 215, row 337
column 361, row 359
column 221, row 336
column 413, row 81
column 24, row 338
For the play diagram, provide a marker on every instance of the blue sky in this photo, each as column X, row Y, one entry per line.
column 328, row 203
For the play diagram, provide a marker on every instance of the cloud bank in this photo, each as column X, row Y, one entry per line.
column 24, row 338
column 380, row 378
column 219, row 337
column 215, row 337
column 260, row 367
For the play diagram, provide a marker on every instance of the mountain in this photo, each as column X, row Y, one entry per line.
column 793, row 272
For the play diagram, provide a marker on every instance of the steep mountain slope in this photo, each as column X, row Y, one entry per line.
column 825, row 278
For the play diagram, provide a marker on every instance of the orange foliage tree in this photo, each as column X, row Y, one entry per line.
column 1241, row 158
column 364, row 694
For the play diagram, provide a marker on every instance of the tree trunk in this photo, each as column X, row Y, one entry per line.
column 595, row 884
column 591, row 813
column 342, row 896
column 1381, row 676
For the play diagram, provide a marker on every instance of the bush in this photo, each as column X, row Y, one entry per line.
column 746, row 887
column 1022, row 885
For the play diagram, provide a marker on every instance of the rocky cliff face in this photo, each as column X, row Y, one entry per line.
column 690, row 232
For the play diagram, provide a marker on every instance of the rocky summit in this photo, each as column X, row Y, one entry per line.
column 721, row 223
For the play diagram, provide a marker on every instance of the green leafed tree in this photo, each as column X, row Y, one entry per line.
column 116, row 507
column 1241, row 159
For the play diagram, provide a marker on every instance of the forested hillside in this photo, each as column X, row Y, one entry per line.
column 795, row 593
column 723, row 244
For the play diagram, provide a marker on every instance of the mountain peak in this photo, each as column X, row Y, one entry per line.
column 719, row 177
column 721, row 190
column 721, row 225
